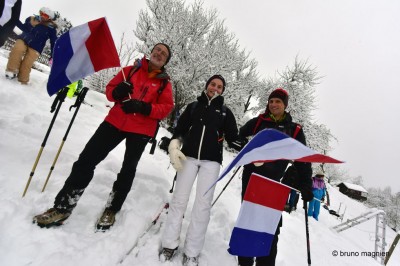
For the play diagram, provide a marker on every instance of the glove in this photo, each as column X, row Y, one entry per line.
column 136, row 106
column 175, row 154
column 306, row 194
column 258, row 164
column 122, row 90
column 323, row 199
column 238, row 144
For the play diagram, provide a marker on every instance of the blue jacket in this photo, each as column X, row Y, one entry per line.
column 37, row 36
column 319, row 187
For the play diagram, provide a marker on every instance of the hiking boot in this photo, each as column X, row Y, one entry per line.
column 52, row 217
column 167, row 254
column 190, row 261
column 106, row 220
column 10, row 75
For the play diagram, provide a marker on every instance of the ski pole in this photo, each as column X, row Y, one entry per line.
column 57, row 102
column 226, row 186
column 165, row 206
column 307, row 233
column 78, row 102
column 173, row 183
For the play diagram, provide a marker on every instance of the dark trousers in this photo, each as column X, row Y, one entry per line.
column 104, row 140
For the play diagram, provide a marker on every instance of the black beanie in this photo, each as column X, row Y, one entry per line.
column 281, row 94
column 217, row 77
column 166, row 46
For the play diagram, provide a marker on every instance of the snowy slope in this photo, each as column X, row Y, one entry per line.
column 24, row 119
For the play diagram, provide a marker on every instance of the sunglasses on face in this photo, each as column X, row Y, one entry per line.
column 44, row 15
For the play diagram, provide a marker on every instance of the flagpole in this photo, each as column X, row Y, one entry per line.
column 123, row 74
column 226, row 186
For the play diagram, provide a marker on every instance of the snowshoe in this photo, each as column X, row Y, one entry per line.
column 167, row 254
column 10, row 75
column 190, row 261
column 106, row 220
column 51, row 217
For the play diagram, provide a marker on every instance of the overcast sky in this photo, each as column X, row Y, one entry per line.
column 354, row 45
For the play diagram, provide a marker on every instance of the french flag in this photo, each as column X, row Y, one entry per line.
column 258, row 218
column 82, row 51
column 271, row 145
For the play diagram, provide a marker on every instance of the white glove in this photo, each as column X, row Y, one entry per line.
column 175, row 154
column 258, row 164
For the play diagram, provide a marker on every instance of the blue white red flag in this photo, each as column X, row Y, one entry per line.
column 258, row 218
column 271, row 145
column 82, row 51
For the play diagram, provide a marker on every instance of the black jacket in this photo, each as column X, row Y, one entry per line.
column 275, row 170
column 204, row 127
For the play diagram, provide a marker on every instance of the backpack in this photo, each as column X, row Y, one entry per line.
column 260, row 118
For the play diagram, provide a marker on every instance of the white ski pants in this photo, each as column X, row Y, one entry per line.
column 207, row 173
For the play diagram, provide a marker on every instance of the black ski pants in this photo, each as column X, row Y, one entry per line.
column 104, row 140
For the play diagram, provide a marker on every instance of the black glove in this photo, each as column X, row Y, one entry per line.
column 323, row 199
column 136, row 106
column 306, row 194
column 122, row 90
column 238, row 144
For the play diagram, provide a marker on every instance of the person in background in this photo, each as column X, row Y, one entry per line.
column 9, row 17
column 277, row 118
column 200, row 130
column 319, row 191
column 290, row 178
column 29, row 45
column 139, row 103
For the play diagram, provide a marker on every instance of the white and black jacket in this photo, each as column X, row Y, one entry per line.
column 203, row 126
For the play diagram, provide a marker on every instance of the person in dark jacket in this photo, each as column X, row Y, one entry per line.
column 200, row 130
column 9, row 17
column 35, row 32
column 275, row 117
column 139, row 104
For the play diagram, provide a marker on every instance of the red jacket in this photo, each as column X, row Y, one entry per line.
column 145, row 89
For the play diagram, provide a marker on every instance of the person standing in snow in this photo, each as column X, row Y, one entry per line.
column 200, row 131
column 319, row 191
column 277, row 118
column 35, row 32
column 140, row 102
column 9, row 17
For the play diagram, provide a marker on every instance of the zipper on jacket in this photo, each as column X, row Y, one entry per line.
column 202, row 133
column 201, row 142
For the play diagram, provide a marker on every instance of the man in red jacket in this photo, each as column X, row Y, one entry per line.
column 144, row 98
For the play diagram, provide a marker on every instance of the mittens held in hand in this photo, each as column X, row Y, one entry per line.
column 175, row 155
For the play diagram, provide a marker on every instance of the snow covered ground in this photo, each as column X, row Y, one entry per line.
column 24, row 119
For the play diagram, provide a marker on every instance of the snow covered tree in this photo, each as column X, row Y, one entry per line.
column 201, row 47
column 300, row 81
